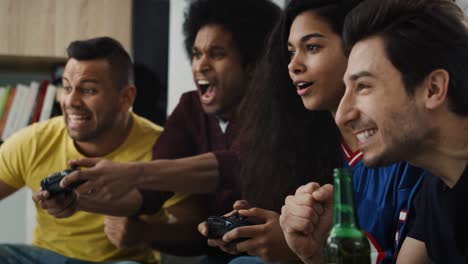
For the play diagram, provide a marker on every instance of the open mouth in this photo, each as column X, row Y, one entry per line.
column 77, row 120
column 303, row 85
column 203, row 85
column 207, row 91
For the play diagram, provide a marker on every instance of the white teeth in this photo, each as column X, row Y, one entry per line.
column 366, row 134
column 302, row 85
column 203, row 82
column 76, row 117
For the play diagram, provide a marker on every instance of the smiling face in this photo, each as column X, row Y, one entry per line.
column 218, row 72
column 388, row 122
column 90, row 103
column 317, row 62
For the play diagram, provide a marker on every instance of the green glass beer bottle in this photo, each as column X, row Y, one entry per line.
column 346, row 243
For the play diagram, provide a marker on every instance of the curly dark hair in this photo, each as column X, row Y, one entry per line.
column 419, row 37
column 249, row 21
column 288, row 145
column 109, row 49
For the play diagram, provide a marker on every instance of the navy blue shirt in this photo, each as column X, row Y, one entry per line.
column 441, row 219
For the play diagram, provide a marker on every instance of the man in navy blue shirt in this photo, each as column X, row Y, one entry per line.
column 407, row 99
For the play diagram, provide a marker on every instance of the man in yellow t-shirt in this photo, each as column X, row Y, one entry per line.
column 97, row 96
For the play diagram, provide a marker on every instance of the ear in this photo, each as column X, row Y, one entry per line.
column 127, row 97
column 436, row 88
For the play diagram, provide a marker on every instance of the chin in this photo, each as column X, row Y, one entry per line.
column 80, row 137
column 210, row 110
column 370, row 163
column 376, row 160
column 309, row 106
column 312, row 105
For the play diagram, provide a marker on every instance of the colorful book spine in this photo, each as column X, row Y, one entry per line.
column 26, row 106
column 15, row 109
column 6, row 110
column 49, row 100
column 40, row 101
column 4, row 91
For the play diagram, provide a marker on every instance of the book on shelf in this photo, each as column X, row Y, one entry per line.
column 24, row 105
column 36, row 113
column 49, row 100
column 4, row 91
column 27, row 105
column 6, row 110
column 13, row 114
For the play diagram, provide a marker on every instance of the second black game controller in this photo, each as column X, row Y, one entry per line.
column 220, row 225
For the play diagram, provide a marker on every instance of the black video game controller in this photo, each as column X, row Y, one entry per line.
column 220, row 225
column 52, row 182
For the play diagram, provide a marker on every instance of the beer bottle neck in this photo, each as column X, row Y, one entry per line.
column 343, row 214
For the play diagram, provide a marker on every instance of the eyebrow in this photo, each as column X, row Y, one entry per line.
column 82, row 81
column 217, row 47
column 309, row 36
column 211, row 47
column 312, row 35
column 360, row 74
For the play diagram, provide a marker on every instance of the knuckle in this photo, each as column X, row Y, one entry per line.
column 289, row 229
column 263, row 243
column 284, row 209
column 234, row 233
column 309, row 212
column 108, row 197
column 255, row 210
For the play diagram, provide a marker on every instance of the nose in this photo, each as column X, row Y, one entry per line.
column 201, row 64
column 72, row 98
column 296, row 65
column 347, row 111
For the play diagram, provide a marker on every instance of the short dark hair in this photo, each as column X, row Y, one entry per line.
column 249, row 21
column 419, row 37
column 109, row 49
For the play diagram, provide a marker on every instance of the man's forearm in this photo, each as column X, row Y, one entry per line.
column 6, row 190
column 197, row 174
column 125, row 206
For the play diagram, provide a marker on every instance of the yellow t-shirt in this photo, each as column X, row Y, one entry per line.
column 44, row 148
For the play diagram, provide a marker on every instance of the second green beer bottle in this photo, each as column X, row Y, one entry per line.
column 346, row 243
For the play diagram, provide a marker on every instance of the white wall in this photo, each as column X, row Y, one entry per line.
column 463, row 4
column 15, row 219
column 179, row 71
